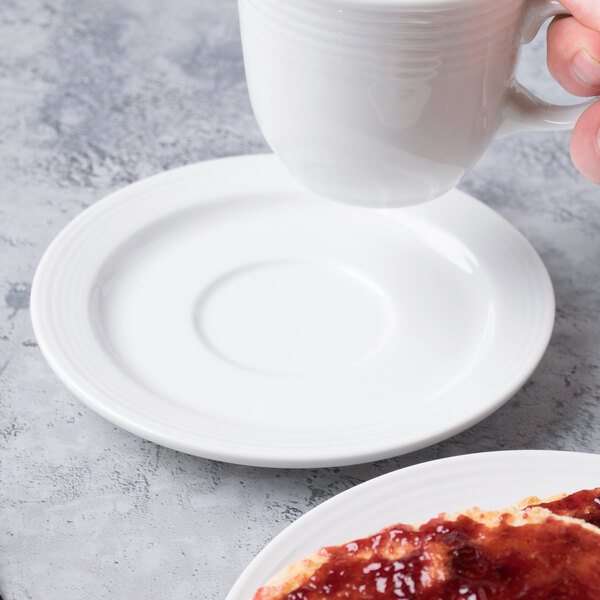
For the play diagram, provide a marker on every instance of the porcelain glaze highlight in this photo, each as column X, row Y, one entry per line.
column 388, row 103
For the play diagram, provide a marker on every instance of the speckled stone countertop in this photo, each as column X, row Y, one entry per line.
column 94, row 95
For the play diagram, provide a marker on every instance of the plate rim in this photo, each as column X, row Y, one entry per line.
column 238, row 591
column 145, row 430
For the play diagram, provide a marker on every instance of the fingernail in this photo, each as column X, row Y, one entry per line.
column 586, row 68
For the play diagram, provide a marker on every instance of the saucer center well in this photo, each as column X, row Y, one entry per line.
column 293, row 317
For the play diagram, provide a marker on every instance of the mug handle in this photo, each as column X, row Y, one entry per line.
column 523, row 110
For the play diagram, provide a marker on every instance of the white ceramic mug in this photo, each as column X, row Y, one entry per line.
column 387, row 103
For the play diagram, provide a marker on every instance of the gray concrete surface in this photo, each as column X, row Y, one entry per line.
column 94, row 95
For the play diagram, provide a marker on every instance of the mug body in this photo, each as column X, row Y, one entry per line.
column 379, row 103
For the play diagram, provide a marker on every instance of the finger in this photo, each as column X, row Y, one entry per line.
column 585, row 143
column 585, row 11
column 574, row 56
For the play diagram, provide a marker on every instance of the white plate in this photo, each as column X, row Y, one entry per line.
column 491, row 481
column 222, row 310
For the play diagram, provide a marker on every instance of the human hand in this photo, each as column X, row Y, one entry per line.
column 574, row 61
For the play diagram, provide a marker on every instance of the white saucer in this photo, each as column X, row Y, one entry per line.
column 490, row 480
column 222, row 310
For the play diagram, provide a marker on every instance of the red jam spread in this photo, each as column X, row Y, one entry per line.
column 462, row 560
column 581, row 505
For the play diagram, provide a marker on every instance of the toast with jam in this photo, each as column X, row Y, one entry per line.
column 538, row 550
